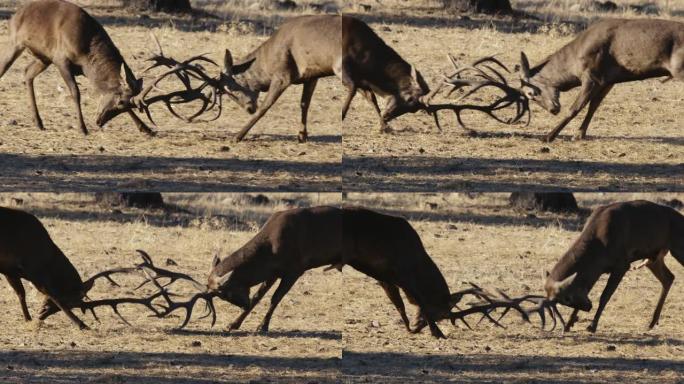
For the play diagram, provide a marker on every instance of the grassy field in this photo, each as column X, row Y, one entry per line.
column 333, row 327
column 182, row 157
column 634, row 142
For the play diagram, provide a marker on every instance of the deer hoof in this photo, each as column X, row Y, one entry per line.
column 302, row 136
column 547, row 139
column 579, row 137
column 262, row 330
column 591, row 328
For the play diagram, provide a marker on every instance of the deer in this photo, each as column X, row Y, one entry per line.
column 61, row 33
column 307, row 48
column 608, row 52
column 615, row 236
column 28, row 252
column 296, row 240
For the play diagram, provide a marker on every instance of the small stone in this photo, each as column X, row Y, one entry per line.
column 611, row 348
column 273, row 348
column 72, row 344
column 225, row 148
column 545, row 150
column 375, row 324
column 421, row 150
column 171, row 262
column 102, row 149
column 12, row 122
column 196, row 343
column 488, row 348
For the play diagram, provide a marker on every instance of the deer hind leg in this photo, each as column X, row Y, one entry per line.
column 593, row 106
column 8, row 56
column 275, row 90
column 392, row 292
column 613, row 282
column 32, row 70
column 587, row 92
column 15, row 283
column 70, row 81
column 370, row 96
column 285, row 285
column 665, row 276
column 307, row 93
column 252, row 303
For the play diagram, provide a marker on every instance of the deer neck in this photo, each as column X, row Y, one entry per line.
column 555, row 72
column 583, row 258
column 103, row 66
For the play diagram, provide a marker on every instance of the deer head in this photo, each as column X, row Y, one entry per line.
column 410, row 95
column 547, row 96
column 568, row 292
column 233, row 84
column 120, row 99
column 222, row 283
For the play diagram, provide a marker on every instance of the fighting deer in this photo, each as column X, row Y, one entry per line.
column 293, row 241
column 307, row 48
column 610, row 51
column 28, row 252
column 61, row 33
column 615, row 236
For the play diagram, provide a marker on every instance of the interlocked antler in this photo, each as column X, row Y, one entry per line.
column 189, row 305
column 487, row 76
column 185, row 71
column 114, row 304
column 491, row 302
column 148, row 266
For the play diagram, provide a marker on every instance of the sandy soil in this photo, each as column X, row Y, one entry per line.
column 182, row 157
column 333, row 327
column 634, row 143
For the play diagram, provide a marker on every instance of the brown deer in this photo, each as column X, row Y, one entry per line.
column 291, row 242
column 615, row 236
column 61, row 33
column 610, row 51
column 307, row 48
column 28, row 252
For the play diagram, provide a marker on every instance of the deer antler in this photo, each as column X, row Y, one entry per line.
column 189, row 305
column 184, row 71
column 487, row 77
column 114, row 304
column 148, row 265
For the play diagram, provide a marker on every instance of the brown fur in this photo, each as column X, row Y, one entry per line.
column 615, row 236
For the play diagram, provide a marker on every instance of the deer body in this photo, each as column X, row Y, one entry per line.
column 374, row 68
column 28, row 252
column 615, row 236
column 609, row 52
column 61, row 33
column 301, row 51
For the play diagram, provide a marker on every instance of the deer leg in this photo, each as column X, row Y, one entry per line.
column 307, row 93
column 142, row 127
column 34, row 69
column 587, row 92
column 573, row 319
column 67, row 311
column 75, row 93
column 258, row 295
column 285, row 285
column 18, row 287
column 348, row 100
column 276, row 89
column 392, row 292
column 613, row 281
column 665, row 276
column 370, row 96
column 593, row 106
column 8, row 57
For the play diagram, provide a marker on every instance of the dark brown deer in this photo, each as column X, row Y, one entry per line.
column 291, row 242
column 28, row 252
column 615, row 236
column 307, row 48
column 61, row 33
column 609, row 52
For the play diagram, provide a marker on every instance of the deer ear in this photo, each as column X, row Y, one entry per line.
column 565, row 283
column 227, row 63
column 414, row 73
column 524, row 66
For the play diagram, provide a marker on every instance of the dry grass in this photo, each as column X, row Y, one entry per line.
column 182, row 157
column 635, row 139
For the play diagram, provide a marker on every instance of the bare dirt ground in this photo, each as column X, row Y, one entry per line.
column 480, row 239
column 304, row 345
column 635, row 139
column 333, row 327
column 182, row 157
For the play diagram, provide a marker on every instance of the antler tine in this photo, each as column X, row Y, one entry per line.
column 147, row 264
column 114, row 304
column 189, row 305
column 543, row 305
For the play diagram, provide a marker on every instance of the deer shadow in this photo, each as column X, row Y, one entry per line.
column 277, row 334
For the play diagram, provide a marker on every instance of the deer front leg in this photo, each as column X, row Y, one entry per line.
column 252, row 303
column 32, row 70
column 275, row 90
column 593, row 106
column 307, row 93
column 285, row 285
column 665, row 276
column 15, row 283
column 370, row 96
column 587, row 91
column 395, row 297
column 75, row 93
column 573, row 319
column 613, row 282
column 67, row 311
column 142, row 127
